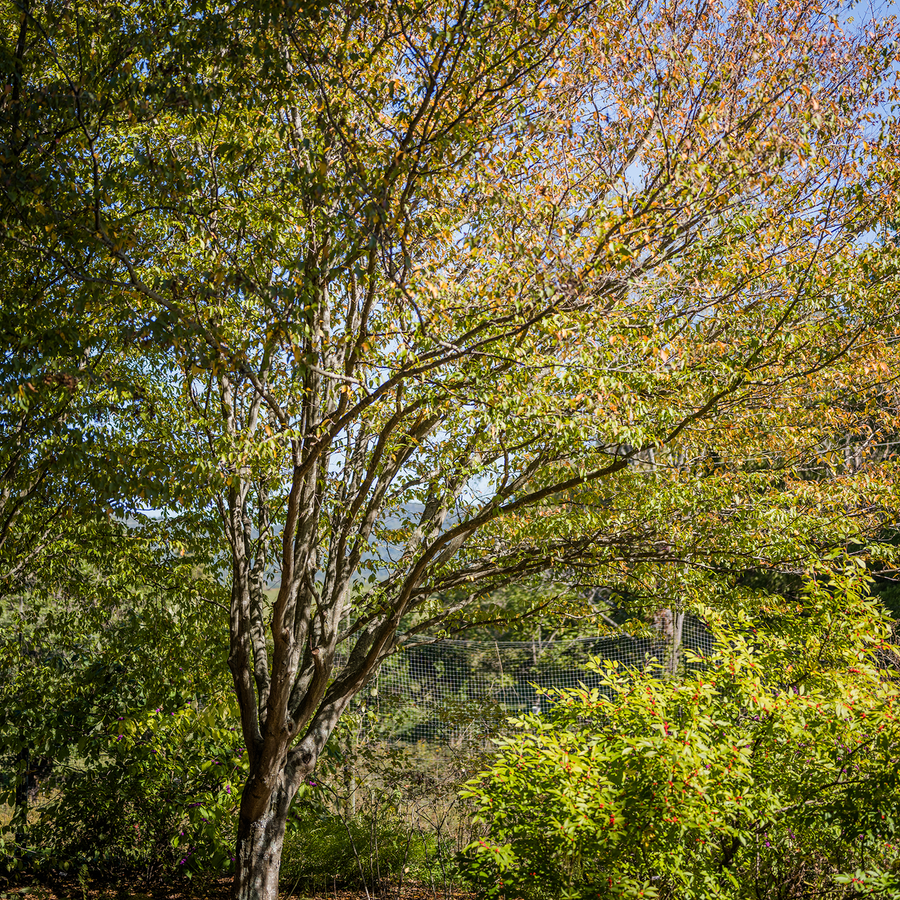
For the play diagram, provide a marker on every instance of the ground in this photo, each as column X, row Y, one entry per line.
column 219, row 890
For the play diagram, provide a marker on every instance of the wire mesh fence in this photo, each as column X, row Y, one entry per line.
column 458, row 691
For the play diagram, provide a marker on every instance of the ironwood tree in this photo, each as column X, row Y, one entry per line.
column 439, row 296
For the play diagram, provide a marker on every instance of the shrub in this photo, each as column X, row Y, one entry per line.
column 120, row 707
column 370, row 848
column 146, row 795
column 768, row 771
column 157, row 793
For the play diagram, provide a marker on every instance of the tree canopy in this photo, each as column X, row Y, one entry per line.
column 415, row 300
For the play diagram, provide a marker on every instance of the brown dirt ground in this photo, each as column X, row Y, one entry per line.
column 220, row 889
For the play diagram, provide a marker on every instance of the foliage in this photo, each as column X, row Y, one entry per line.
column 150, row 795
column 364, row 849
column 375, row 812
column 112, row 693
column 868, row 882
column 429, row 297
column 766, row 771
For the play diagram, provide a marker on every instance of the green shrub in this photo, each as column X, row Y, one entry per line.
column 768, row 772
column 370, row 848
column 122, row 708
column 152, row 794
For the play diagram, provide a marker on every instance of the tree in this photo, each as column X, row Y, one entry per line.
column 450, row 295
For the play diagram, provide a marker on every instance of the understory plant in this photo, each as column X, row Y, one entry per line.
column 377, row 814
column 147, row 795
column 120, row 750
column 769, row 769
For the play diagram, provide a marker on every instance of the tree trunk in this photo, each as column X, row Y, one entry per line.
column 259, row 845
column 677, row 631
column 23, row 794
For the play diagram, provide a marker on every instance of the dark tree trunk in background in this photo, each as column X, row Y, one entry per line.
column 24, row 792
